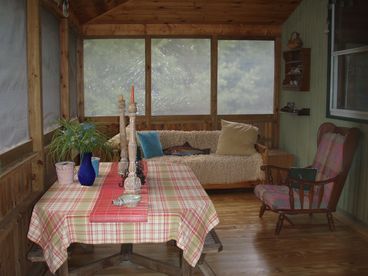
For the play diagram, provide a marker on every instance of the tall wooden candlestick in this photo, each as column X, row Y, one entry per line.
column 123, row 164
column 132, row 184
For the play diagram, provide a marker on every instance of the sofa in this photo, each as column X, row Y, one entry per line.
column 214, row 171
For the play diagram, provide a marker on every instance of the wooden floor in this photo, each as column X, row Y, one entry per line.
column 251, row 248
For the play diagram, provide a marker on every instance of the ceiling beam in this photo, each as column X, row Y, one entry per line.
column 111, row 30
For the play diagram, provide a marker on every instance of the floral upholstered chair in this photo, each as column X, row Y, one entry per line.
column 289, row 196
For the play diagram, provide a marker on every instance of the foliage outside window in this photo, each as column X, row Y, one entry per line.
column 111, row 66
column 348, row 97
column 245, row 77
column 181, row 74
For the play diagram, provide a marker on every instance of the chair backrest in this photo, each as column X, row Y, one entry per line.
column 335, row 151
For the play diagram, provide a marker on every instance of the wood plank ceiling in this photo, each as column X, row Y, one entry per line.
column 249, row 12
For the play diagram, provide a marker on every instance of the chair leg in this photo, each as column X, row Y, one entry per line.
column 330, row 221
column 279, row 224
column 262, row 210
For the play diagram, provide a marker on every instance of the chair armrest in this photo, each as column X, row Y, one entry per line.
column 275, row 175
column 315, row 191
column 263, row 150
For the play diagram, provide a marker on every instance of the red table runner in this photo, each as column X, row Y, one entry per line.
column 105, row 211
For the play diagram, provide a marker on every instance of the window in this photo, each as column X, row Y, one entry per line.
column 245, row 77
column 181, row 74
column 348, row 97
column 73, row 98
column 13, row 76
column 111, row 66
column 50, row 70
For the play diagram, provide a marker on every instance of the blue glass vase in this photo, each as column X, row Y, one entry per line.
column 86, row 173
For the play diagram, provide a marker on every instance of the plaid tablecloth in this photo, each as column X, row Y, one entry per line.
column 179, row 209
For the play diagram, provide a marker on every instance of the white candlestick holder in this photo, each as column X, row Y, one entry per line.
column 132, row 184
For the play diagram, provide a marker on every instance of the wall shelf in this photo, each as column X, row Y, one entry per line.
column 297, row 69
column 298, row 112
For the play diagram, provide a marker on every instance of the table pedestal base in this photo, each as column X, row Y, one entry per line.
column 127, row 254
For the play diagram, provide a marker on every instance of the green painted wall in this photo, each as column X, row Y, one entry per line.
column 298, row 133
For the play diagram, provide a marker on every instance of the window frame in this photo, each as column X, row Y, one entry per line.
column 213, row 85
column 332, row 111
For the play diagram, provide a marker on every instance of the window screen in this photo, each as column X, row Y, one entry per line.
column 245, row 77
column 50, row 70
column 73, row 73
column 13, row 75
column 111, row 66
column 181, row 75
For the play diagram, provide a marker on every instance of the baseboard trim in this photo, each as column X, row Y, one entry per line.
column 355, row 224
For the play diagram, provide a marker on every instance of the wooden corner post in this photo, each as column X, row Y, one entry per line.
column 35, row 92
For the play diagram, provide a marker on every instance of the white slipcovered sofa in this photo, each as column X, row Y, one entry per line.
column 214, row 171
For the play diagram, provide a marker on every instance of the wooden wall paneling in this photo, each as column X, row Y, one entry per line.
column 13, row 237
column 35, row 90
column 21, row 241
column 80, row 78
column 64, row 69
column 265, row 123
column 14, row 155
column 148, row 82
column 16, row 185
column 7, row 257
column 266, row 31
column 214, row 76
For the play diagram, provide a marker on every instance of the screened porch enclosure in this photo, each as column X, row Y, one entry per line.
column 191, row 65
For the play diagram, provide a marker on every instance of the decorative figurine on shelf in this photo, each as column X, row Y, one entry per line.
column 295, row 41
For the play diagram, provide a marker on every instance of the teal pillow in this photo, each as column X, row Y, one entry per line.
column 150, row 144
column 308, row 174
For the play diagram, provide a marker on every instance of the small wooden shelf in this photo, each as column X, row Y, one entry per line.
column 297, row 69
column 298, row 112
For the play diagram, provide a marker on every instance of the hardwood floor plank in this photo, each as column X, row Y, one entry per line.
column 251, row 248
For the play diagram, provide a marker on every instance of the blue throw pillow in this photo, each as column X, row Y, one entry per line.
column 150, row 143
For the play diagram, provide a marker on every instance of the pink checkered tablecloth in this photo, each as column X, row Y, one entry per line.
column 178, row 209
column 104, row 211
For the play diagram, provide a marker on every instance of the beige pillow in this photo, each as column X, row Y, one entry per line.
column 115, row 140
column 237, row 139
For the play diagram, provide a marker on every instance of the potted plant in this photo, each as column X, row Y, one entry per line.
column 84, row 138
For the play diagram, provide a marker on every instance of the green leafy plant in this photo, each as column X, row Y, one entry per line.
column 80, row 137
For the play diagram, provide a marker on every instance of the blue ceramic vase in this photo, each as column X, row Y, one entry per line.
column 86, row 173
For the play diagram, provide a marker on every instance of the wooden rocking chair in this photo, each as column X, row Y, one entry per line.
column 290, row 196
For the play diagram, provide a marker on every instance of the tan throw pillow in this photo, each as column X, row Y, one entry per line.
column 237, row 139
column 115, row 140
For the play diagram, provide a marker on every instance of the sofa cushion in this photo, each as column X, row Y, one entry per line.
column 114, row 141
column 219, row 169
column 150, row 144
column 237, row 139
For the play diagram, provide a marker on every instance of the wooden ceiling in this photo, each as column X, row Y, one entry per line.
column 250, row 12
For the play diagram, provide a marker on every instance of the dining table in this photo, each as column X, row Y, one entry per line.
column 174, row 207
